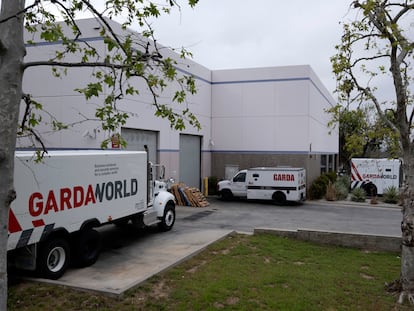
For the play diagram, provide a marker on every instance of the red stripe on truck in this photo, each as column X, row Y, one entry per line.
column 38, row 223
column 355, row 171
column 14, row 225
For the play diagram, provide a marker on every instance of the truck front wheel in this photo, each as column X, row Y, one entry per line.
column 226, row 195
column 168, row 220
column 53, row 258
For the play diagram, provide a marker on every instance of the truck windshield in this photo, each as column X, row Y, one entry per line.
column 240, row 177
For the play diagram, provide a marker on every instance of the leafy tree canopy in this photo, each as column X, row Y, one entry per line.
column 129, row 56
column 373, row 67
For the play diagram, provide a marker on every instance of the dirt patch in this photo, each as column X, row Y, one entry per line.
column 157, row 291
column 195, row 268
column 366, row 276
column 232, row 301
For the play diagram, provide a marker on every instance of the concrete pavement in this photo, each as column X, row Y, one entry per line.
column 131, row 257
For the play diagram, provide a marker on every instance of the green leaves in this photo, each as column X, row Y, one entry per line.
column 118, row 70
column 361, row 132
column 111, row 118
column 93, row 89
column 374, row 55
column 110, row 43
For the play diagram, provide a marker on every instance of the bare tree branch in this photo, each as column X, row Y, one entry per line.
column 18, row 14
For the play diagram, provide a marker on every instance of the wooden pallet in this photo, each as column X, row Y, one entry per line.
column 188, row 196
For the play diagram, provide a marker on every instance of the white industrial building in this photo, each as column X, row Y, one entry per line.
column 249, row 117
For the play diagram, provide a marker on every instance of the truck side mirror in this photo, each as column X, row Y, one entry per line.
column 162, row 172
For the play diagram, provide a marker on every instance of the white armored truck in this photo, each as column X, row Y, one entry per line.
column 62, row 200
column 279, row 184
column 375, row 175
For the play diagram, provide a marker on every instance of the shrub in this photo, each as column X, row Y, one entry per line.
column 337, row 190
column 344, row 181
column 330, row 194
column 318, row 188
column 391, row 195
column 341, row 190
column 358, row 195
column 212, row 185
column 331, row 176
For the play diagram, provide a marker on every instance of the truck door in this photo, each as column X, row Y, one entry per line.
column 150, row 181
column 392, row 175
column 388, row 176
column 239, row 187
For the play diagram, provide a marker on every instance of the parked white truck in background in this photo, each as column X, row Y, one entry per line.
column 62, row 199
column 375, row 175
column 279, row 184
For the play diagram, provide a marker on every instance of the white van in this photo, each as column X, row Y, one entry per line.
column 279, row 184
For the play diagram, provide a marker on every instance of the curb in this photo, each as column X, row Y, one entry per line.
column 366, row 204
column 353, row 240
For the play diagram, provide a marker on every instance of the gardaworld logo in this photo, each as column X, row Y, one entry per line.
column 283, row 177
column 379, row 176
column 77, row 196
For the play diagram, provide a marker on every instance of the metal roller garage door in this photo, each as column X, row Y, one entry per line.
column 137, row 139
column 190, row 160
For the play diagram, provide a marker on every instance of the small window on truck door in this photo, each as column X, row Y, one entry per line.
column 240, row 177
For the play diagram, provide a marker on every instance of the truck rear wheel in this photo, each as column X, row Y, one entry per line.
column 168, row 220
column 279, row 198
column 87, row 248
column 370, row 189
column 53, row 258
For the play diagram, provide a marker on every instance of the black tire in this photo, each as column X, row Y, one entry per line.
column 370, row 189
column 53, row 258
column 122, row 223
column 226, row 195
column 137, row 221
column 168, row 219
column 279, row 198
column 87, row 248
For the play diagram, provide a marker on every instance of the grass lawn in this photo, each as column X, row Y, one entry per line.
column 241, row 272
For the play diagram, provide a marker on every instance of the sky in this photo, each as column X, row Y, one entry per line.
column 228, row 34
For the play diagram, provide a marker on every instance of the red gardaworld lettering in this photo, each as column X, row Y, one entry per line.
column 283, row 177
column 51, row 203
column 36, row 204
column 90, row 196
column 65, row 196
column 78, row 196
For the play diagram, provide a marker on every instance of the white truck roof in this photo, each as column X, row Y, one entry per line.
column 277, row 168
column 74, row 152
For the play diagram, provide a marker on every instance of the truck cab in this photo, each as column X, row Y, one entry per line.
column 236, row 187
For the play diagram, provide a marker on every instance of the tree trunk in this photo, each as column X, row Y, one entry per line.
column 407, row 228
column 12, row 51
